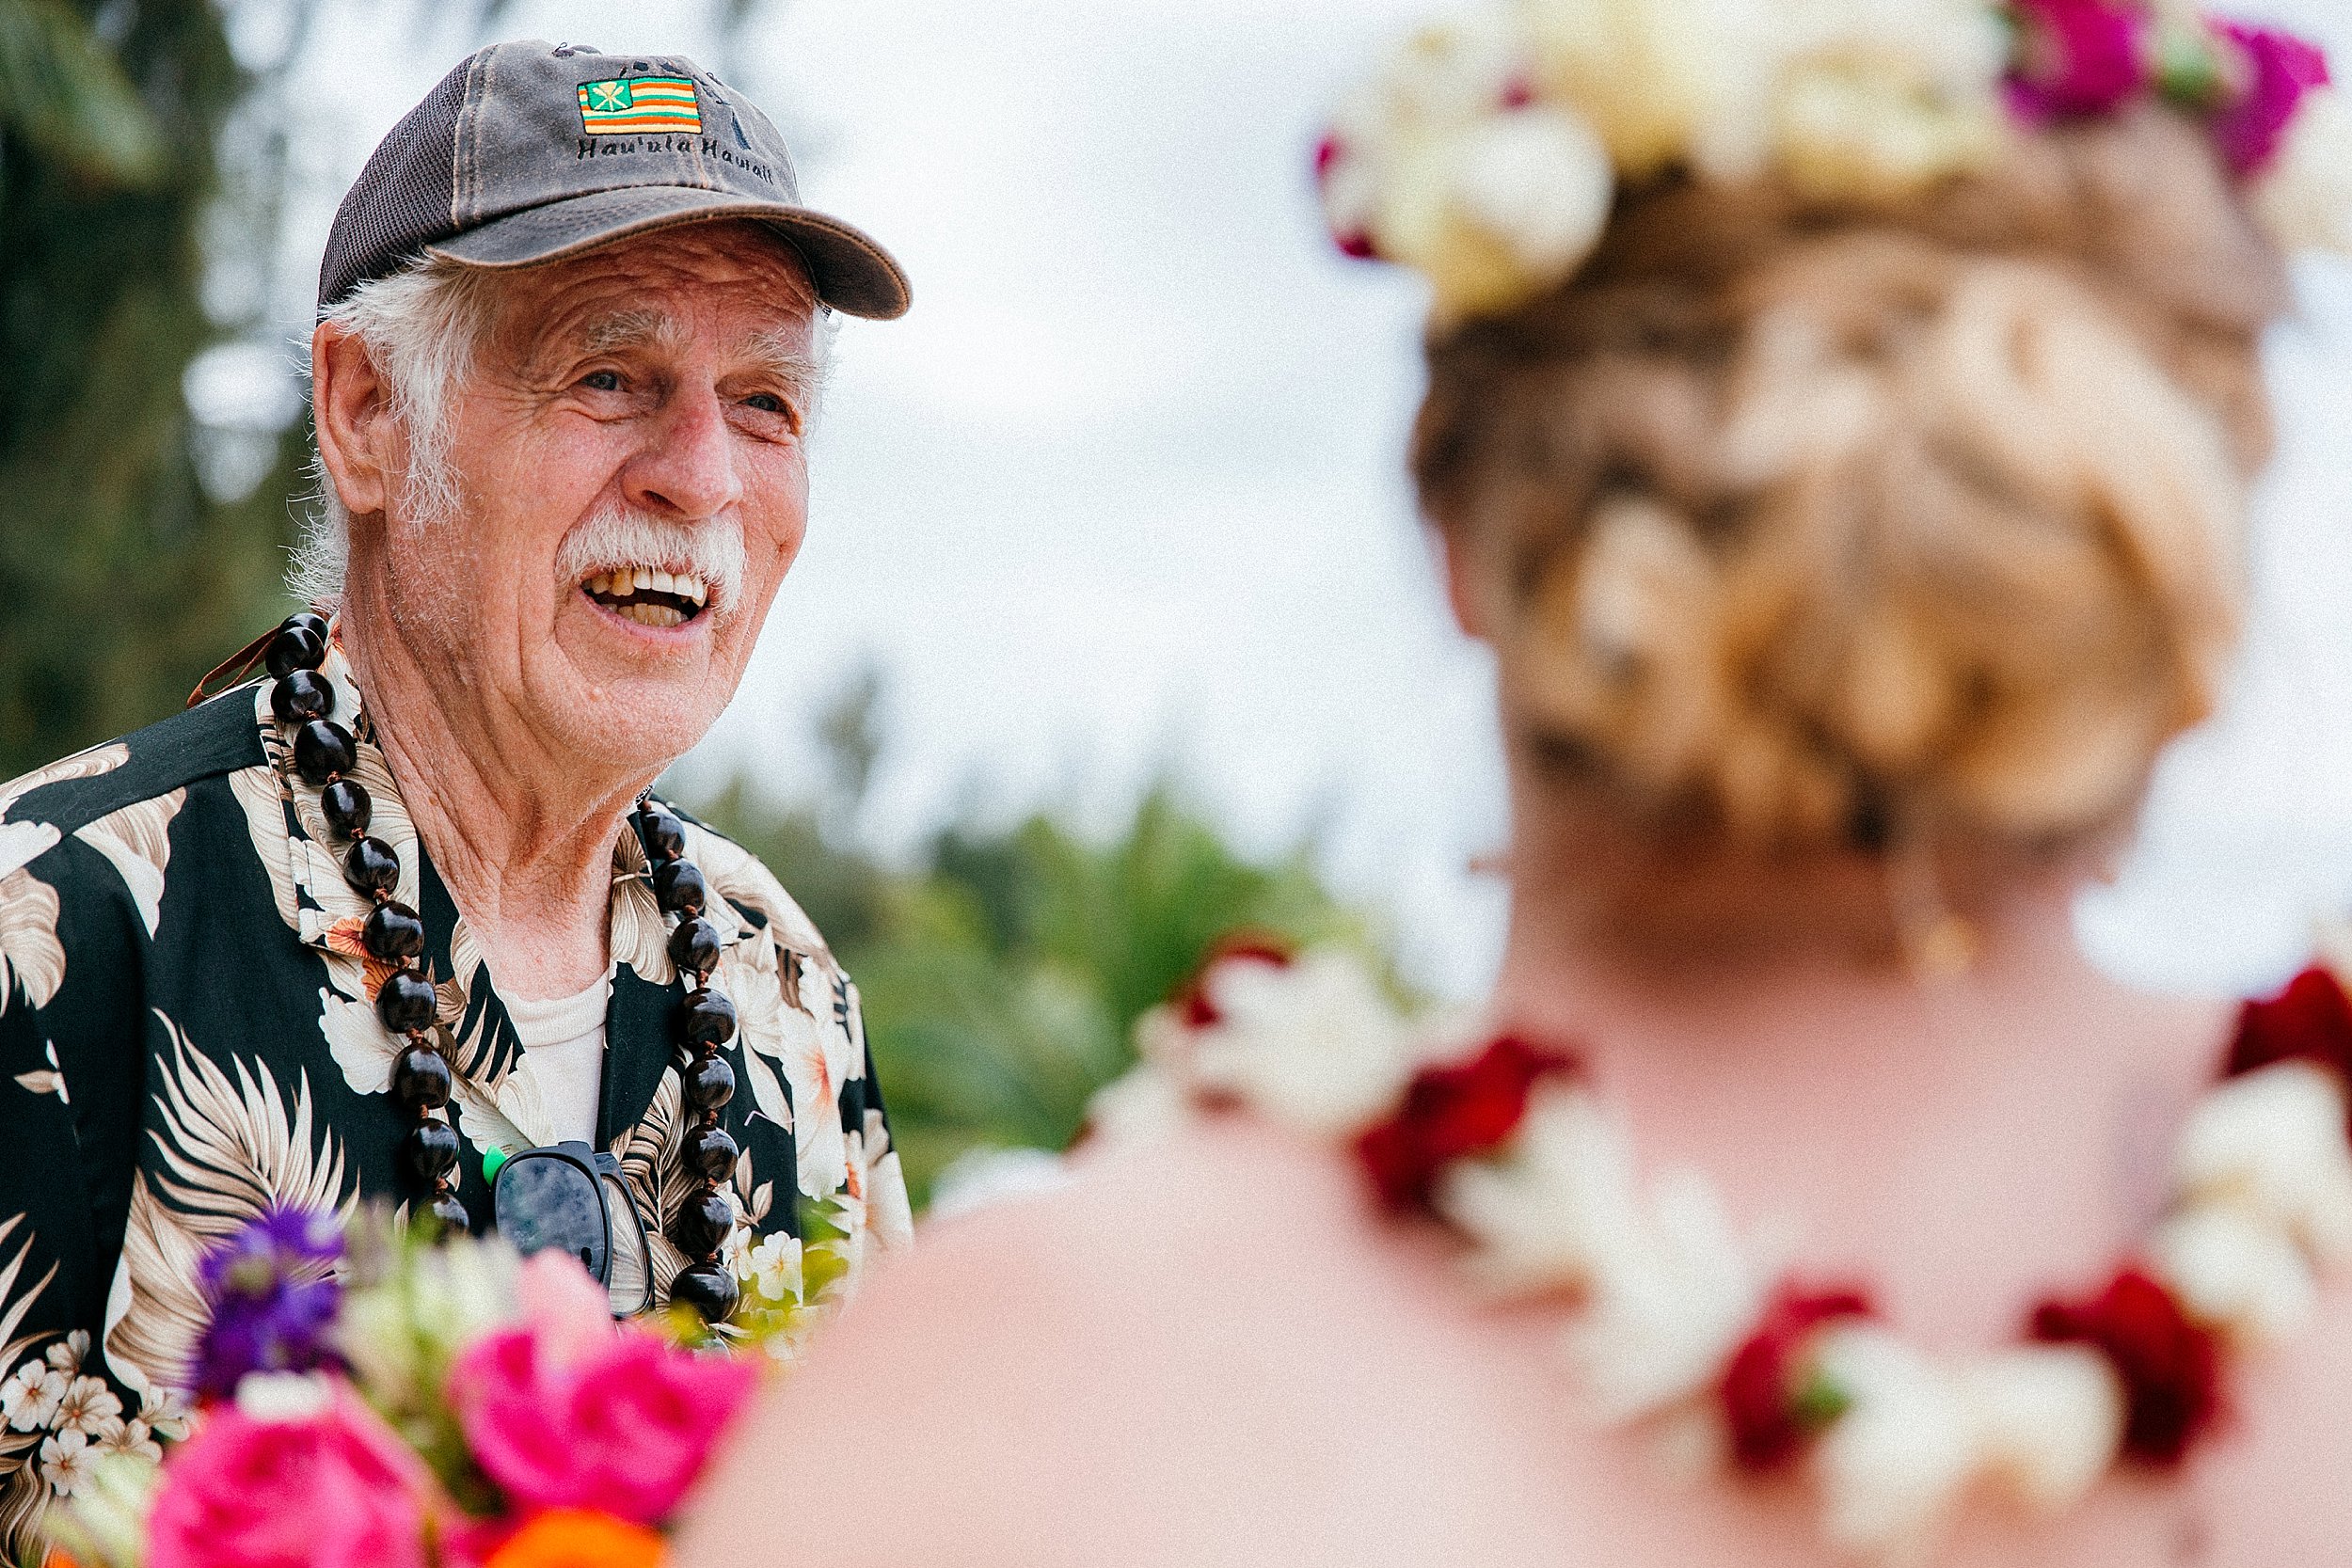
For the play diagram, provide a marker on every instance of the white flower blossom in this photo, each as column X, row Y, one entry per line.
column 2049, row 1420
column 283, row 1396
column 87, row 1406
column 1666, row 1305
column 1664, row 82
column 1447, row 164
column 1848, row 128
column 1145, row 1106
column 443, row 1297
column 1312, row 1044
column 2273, row 1142
column 1668, row 1293
column 107, row 1520
column 165, row 1413
column 67, row 1461
column 132, row 1437
column 1446, row 75
column 1883, row 98
column 2305, row 197
column 1892, row 1466
column 2044, row 1421
column 736, row 1253
column 773, row 1267
column 2236, row 1270
column 1497, row 212
column 1542, row 1214
column 30, row 1396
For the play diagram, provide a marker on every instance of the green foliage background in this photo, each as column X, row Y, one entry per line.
column 1004, row 970
column 122, row 580
column 1002, row 967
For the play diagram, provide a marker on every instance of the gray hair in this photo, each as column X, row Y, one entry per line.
column 422, row 326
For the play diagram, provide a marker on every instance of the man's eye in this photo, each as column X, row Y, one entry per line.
column 601, row 381
column 767, row 403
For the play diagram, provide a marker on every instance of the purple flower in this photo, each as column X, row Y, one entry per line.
column 274, row 1298
column 2078, row 57
column 2281, row 69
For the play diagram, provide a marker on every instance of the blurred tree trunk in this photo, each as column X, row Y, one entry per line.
column 121, row 580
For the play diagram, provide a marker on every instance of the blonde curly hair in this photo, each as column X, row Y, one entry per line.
column 1819, row 524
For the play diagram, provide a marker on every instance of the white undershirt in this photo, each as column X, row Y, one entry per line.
column 564, row 1042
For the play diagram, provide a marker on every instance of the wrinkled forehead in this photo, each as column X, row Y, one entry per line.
column 735, row 287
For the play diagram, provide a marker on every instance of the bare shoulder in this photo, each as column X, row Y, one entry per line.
column 1209, row 1350
column 1187, row 1356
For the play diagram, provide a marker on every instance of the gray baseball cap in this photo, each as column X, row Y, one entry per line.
column 532, row 152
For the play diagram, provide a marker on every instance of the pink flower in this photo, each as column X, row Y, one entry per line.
column 1330, row 153
column 2282, row 70
column 621, row 1423
column 565, row 1307
column 336, row 1490
column 2078, row 57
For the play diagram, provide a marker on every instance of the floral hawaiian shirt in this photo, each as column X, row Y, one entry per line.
column 186, row 1039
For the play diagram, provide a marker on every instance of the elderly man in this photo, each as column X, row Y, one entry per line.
column 401, row 915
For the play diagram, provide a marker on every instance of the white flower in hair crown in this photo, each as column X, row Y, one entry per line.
column 1488, row 150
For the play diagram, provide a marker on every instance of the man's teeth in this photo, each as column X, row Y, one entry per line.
column 650, row 579
column 619, row 590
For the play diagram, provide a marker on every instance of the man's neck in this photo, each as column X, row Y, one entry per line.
column 520, row 830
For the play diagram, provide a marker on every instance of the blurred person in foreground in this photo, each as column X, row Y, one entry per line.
column 1840, row 425
column 403, row 910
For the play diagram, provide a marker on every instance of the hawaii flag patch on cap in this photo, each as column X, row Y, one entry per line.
column 530, row 151
column 634, row 105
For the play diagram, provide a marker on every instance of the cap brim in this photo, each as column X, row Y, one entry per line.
column 852, row 274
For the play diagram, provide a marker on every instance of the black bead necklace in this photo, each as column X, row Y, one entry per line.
column 324, row 753
column 706, row 1022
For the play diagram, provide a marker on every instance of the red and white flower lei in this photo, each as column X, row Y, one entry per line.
column 1506, row 1146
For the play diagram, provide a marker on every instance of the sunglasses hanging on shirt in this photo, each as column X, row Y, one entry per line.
column 571, row 1197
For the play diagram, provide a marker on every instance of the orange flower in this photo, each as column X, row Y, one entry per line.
column 580, row 1538
column 344, row 937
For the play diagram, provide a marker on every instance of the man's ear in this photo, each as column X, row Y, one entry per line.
column 351, row 410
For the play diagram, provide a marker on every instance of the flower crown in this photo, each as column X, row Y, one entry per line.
column 1489, row 152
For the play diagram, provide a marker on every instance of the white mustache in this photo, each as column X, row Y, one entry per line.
column 622, row 538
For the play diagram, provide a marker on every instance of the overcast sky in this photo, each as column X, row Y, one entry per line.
column 1125, row 492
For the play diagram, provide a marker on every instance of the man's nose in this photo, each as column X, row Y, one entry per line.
column 687, row 468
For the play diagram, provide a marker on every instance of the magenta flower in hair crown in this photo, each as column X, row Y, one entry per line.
column 1488, row 150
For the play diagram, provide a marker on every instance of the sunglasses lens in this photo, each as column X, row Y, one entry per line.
column 631, row 1282
column 542, row 1201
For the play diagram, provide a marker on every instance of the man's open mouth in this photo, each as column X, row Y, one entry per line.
column 648, row 596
